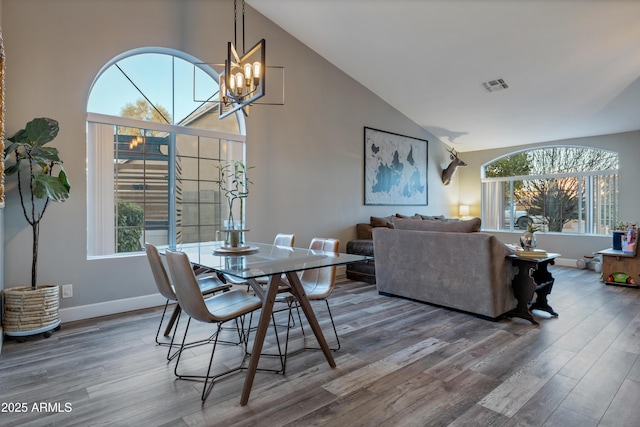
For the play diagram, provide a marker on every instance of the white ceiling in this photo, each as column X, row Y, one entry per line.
column 572, row 66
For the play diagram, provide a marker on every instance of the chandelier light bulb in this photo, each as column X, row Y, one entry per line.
column 248, row 68
column 257, row 72
column 239, row 83
column 223, row 89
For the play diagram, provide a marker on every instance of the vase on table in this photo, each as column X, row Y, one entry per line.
column 528, row 240
column 234, row 233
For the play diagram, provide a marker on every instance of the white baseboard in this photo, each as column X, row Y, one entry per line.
column 110, row 307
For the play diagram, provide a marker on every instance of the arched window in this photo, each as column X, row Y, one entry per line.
column 154, row 144
column 557, row 189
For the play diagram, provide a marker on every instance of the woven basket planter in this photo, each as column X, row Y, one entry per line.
column 27, row 310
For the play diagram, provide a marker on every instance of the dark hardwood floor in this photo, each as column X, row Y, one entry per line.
column 402, row 363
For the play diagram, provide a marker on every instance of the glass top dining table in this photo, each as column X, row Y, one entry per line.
column 266, row 260
column 261, row 259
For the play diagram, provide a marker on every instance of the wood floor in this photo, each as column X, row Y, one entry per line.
column 402, row 363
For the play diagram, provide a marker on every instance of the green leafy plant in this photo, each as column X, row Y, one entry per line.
column 130, row 221
column 37, row 182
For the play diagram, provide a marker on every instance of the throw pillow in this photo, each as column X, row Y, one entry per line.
column 430, row 217
column 416, row 216
column 386, row 221
column 468, row 226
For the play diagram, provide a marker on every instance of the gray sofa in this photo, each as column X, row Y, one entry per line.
column 363, row 244
column 449, row 264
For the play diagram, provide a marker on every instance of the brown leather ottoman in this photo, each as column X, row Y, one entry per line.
column 361, row 271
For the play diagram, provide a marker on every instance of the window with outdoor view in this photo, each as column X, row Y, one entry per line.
column 154, row 147
column 561, row 189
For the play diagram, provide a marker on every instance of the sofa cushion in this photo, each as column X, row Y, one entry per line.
column 386, row 221
column 468, row 226
column 430, row 217
column 415, row 216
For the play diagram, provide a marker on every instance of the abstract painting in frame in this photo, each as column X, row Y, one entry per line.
column 395, row 169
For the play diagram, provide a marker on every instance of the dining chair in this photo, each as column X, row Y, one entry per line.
column 218, row 309
column 318, row 284
column 208, row 284
column 281, row 239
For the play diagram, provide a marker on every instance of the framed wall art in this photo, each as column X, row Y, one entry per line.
column 395, row 169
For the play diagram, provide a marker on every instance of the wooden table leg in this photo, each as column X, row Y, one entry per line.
column 523, row 290
column 176, row 311
column 298, row 291
column 544, row 282
column 261, row 332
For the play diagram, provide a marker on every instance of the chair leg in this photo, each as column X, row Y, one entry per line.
column 160, row 325
column 173, row 324
column 334, row 326
column 209, row 380
column 280, row 355
column 335, row 331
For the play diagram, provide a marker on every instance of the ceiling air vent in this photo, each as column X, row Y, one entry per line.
column 495, row 85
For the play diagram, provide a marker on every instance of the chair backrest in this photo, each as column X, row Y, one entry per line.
column 159, row 273
column 186, row 287
column 284, row 240
column 319, row 282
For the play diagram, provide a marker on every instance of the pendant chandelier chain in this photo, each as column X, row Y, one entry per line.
column 235, row 24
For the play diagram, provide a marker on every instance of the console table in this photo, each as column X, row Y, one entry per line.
column 533, row 277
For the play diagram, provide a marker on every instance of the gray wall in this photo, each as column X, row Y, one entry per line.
column 308, row 154
column 570, row 246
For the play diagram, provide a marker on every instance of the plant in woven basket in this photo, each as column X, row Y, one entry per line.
column 38, row 184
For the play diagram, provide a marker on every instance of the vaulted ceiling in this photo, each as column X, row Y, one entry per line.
column 572, row 67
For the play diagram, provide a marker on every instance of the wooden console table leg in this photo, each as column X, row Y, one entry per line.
column 544, row 281
column 523, row 289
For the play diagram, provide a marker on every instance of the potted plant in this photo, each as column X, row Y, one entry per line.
column 41, row 178
column 235, row 185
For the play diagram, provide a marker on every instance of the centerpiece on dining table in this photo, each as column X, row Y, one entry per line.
column 234, row 183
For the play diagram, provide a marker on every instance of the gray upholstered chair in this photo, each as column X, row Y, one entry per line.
column 219, row 309
column 207, row 282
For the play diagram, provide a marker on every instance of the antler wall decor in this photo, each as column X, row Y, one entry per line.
column 447, row 173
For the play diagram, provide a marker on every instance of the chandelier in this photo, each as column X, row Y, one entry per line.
column 243, row 80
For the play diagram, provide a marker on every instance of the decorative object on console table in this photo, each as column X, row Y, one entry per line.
column 36, row 310
column 528, row 239
column 395, row 169
column 533, row 277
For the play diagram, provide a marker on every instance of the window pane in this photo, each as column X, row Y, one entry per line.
column 187, row 168
column 209, row 169
column 570, row 190
column 209, row 148
column 190, row 192
column 209, row 192
column 187, row 145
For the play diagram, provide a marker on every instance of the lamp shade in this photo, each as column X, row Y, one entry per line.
column 464, row 210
